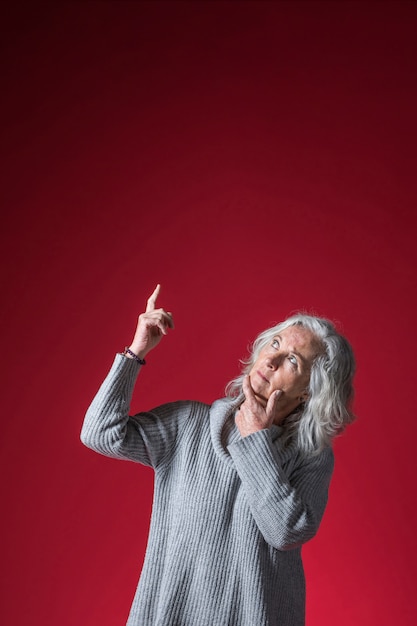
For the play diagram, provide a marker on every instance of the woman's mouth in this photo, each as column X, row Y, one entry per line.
column 262, row 376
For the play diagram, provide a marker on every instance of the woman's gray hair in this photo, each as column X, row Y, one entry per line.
column 326, row 412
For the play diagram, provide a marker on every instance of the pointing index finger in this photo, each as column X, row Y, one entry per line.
column 150, row 306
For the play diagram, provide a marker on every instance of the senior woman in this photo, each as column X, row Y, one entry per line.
column 239, row 485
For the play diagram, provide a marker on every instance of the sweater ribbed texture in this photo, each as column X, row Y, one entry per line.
column 229, row 514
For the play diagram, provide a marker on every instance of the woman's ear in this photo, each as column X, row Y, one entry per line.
column 304, row 396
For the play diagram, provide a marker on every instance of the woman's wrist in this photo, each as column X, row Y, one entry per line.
column 141, row 353
column 132, row 352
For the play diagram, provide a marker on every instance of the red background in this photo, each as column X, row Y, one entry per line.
column 254, row 158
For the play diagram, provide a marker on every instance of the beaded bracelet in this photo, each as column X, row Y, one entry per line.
column 135, row 356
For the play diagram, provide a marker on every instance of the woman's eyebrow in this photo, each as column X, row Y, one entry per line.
column 300, row 356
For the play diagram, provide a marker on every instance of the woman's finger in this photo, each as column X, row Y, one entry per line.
column 154, row 318
column 150, row 306
column 272, row 405
column 167, row 318
column 247, row 390
column 171, row 322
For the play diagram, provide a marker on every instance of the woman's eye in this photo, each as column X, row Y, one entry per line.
column 275, row 343
column 293, row 360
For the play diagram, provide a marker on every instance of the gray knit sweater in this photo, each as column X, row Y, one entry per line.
column 229, row 515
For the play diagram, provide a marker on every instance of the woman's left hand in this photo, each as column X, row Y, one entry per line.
column 252, row 416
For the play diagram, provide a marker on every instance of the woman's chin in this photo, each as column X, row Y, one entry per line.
column 261, row 399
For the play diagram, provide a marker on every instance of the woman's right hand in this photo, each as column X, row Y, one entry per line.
column 152, row 326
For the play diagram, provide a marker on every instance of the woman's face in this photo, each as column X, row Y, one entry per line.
column 285, row 364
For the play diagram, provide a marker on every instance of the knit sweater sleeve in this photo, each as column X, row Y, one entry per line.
column 147, row 437
column 286, row 508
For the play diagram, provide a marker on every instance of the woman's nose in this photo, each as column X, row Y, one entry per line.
column 274, row 361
